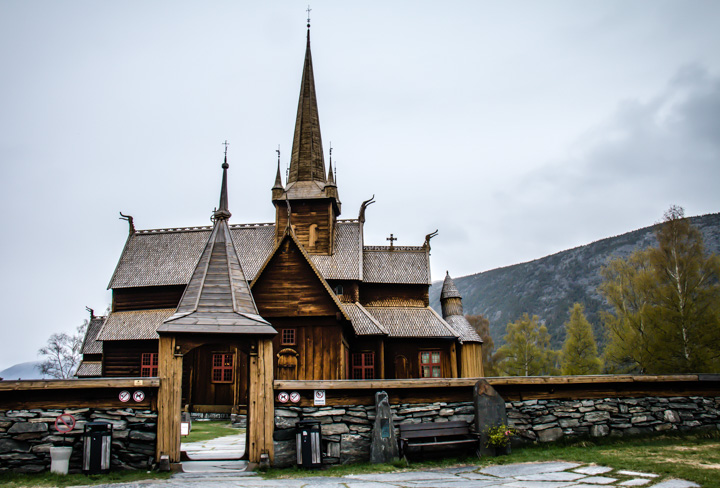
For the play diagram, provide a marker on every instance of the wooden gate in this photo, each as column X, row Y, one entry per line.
column 261, row 407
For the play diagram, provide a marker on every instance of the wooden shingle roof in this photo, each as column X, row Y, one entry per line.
column 412, row 322
column 402, row 264
column 134, row 325
column 89, row 369
column 90, row 344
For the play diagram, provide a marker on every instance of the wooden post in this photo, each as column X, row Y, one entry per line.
column 453, row 361
column 382, row 358
column 169, row 398
column 261, row 405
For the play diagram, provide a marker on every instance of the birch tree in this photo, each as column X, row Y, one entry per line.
column 527, row 351
column 62, row 353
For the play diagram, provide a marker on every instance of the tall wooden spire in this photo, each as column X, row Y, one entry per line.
column 306, row 161
column 218, row 299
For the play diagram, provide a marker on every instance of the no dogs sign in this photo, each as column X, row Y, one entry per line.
column 319, row 397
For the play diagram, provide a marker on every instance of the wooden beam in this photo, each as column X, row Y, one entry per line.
column 453, row 360
column 79, row 383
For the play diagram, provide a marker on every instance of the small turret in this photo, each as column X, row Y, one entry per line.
column 450, row 298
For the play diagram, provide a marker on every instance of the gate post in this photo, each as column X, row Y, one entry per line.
column 261, row 401
column 169, row 399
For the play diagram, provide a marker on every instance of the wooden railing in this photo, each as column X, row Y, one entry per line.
column 79, row 393
column 426, row 390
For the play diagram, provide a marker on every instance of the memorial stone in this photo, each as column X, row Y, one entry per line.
column 489, row 412
column 384, row 446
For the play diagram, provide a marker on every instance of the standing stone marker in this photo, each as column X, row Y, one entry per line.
column 489, row 412
column 384, row 447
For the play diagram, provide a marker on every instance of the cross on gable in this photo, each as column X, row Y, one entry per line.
column 391, row 239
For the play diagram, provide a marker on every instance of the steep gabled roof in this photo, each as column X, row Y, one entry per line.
column 218, row 299
column 90, row 344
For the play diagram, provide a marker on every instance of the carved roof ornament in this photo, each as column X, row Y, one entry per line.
column 363, row 206
column 131, row 228
column 428, row 237
column 278, row 179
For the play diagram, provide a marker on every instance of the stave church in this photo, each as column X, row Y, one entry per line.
column 335, row 307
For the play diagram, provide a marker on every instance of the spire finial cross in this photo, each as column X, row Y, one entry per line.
column 308, row 12
column 391, row 239
column 226, row 144
column 278, row 151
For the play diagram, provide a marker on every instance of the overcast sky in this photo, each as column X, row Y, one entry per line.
column 516, row 128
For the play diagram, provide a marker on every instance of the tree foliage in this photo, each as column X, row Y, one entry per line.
column 482, row 327
column 527, row 351
column 666, row 304
column 63, row 353
column 579, row 353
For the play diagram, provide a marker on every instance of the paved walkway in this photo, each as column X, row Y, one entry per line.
column 528, row 475
column 228, row 447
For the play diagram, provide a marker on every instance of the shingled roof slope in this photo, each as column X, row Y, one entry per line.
column 168, row 256
column 402, row 264
column 89, row 369
column 465, row 331
column 412, row 322
column 90, row 344
column 134, row 325
column 363, row 323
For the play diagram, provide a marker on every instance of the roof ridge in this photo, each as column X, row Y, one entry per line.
column 201, row 228
column 394, row 248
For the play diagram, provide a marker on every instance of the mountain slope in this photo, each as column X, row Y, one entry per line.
column 24, row 371
column 549, row 286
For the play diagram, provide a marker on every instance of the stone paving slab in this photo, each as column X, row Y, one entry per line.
column 637, row 473
column 676, row 484
column 538, row 484
column 513, row 470
column 599, row 480
column 635, row 482
column 404, row 476
column 554, row 476
column 593, row 470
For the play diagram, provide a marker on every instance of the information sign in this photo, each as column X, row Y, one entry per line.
column 124, row 396
column 319, row 397
column 283, row 397
column 295, row 397
column 64, row 423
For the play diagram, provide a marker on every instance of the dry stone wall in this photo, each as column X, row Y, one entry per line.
column 347, row 430
column 26, row 437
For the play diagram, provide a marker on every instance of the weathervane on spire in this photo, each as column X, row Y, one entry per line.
column 278, row 152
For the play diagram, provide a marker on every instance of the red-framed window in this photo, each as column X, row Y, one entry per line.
column 289, row 337
column 363, row 365
column 222, row 367
column 149, row 364
column 430, row 365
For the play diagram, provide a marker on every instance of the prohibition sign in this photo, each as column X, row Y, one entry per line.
column 138, row 396
column 124, row 396
column 283, row 397
column 295, row 397
column 64, row 423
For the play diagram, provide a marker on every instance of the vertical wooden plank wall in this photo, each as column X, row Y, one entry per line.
column 471, row 360
column 170, row 374
column 261, row 404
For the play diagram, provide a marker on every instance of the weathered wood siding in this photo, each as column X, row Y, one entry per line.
column 288, row 286
column 471, row 360
column 146, row 297
column 318, row 345
column 394, row 295
column 410, row 349
column 198, row 388
column 122, row 358
column 304, row 215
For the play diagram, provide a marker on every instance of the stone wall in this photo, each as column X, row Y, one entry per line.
column 347, row 430
column 27, row 435
column 551, row 420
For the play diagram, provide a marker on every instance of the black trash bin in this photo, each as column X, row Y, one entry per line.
column 309, row 447
column 97, row 441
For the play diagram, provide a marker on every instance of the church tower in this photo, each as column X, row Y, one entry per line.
column 309, row 197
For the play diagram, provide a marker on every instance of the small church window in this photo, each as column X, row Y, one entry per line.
column 288, row 337
column 149, row 364
column 339, row 290
column 222, row 367
column 430, row 366
column 363, row 365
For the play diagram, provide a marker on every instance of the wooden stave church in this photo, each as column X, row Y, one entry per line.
column 337, row 309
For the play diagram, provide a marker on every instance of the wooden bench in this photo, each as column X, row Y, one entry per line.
column 450, row 435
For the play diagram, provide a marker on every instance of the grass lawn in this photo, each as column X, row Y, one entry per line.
column 8, row 480
column 210, row 429
column 690, row 457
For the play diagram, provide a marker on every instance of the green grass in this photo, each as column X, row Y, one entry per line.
column 691, row 457
column 9, row 480
column 210, row 429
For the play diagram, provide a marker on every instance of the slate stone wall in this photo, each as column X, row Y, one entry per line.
column 27, row 435
column 551, row 420
column 347, row 430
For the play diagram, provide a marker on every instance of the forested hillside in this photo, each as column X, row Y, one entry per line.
column 549, row 286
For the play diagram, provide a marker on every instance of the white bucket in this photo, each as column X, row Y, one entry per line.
column 60, row 459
